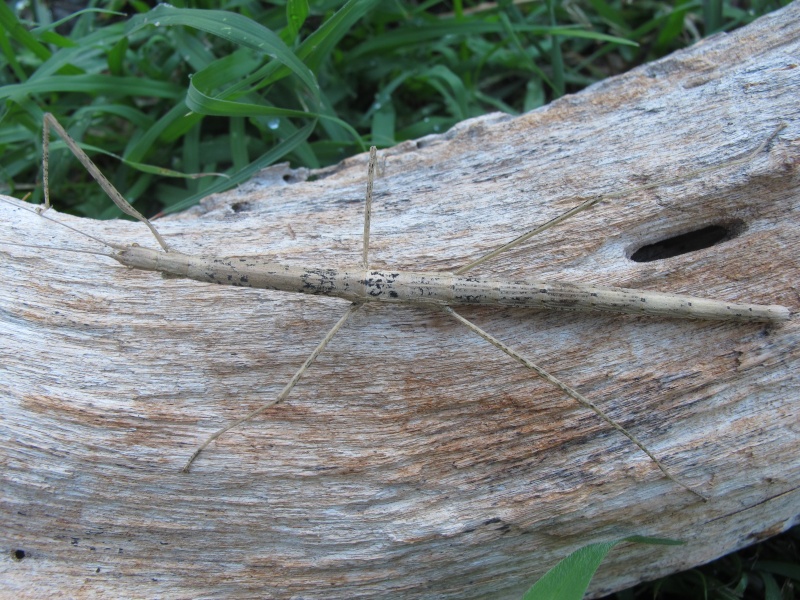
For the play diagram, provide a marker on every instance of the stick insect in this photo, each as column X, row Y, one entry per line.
column 440, row 291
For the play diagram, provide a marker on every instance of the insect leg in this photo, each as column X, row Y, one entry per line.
column 284, row 393
column 368, row 204
column 572, row 393
column 50, row 121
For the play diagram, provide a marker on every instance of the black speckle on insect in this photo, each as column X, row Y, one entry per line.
column 243, row 279
column 393, row 294
column 18, row 554
column 319, row 281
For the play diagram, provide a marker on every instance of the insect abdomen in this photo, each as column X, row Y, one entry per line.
column 398, row 286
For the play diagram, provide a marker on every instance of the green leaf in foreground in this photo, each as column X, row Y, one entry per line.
column 570, row 578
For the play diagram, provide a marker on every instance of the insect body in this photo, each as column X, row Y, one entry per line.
column 439, row 290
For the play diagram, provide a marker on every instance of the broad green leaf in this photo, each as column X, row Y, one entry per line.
column 570, row 578
column 230, row 26
column 16, row 31
column 296, row 13
column 270, row 157
column 91, row 84
column 320, row 43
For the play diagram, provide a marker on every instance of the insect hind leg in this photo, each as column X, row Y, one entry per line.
column 572, row 393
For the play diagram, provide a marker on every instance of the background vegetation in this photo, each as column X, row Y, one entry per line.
column 163, row 95
column 168, row 98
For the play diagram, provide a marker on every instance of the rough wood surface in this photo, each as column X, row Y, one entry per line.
column 415, row 459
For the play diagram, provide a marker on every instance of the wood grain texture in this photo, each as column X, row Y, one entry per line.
column 414, row 459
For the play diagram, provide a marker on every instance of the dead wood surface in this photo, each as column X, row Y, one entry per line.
column 414, row 459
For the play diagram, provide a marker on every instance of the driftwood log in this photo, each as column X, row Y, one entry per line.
column 415, row 460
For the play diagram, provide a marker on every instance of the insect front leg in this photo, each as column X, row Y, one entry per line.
column 50, row 121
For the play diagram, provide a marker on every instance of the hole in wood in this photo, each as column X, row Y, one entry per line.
column 238, row 207
column 691, row 241
column 18, row 554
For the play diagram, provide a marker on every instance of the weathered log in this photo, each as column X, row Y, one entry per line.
column 414, row 459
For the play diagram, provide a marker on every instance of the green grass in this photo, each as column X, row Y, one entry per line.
column 769, row 570
column 166, row 100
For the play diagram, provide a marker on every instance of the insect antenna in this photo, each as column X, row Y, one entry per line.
column 40, row 213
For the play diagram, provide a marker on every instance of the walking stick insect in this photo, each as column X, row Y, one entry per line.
column 440, row 291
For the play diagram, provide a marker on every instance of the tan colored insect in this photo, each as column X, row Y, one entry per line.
column 440, row 291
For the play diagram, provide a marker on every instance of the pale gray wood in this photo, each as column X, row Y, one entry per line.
column 415, row 459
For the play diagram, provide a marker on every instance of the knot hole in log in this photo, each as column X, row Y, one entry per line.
column 692, row 241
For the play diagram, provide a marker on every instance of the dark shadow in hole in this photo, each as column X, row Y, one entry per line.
column 18, row 554
column 238, row 207
column 692, row 241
